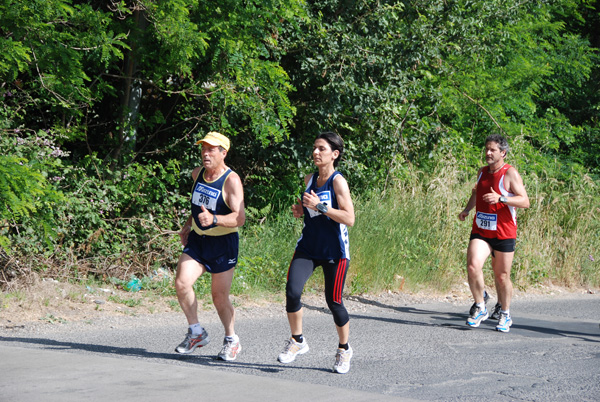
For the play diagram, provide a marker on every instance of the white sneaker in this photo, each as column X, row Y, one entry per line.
column 191, row 342
column 504, row 323
column 230, row 350
column 291, row 350
column 477, row 316
column 342, row 360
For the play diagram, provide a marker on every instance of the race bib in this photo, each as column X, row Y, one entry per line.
column 324, row 198
column 205, row 195
column 486, row 221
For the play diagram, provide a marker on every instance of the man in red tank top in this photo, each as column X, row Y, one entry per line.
column 497, row 194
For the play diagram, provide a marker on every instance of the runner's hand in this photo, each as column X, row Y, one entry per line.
column 492, row 197
column 310, row 200
column 205, row 217
column 297, row 209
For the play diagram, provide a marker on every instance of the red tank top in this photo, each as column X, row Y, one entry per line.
column 491, row 221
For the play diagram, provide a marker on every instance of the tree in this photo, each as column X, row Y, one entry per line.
column 124, row 89
column 406, row 82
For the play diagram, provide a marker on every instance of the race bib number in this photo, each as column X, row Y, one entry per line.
column 205, row 195
column 324, row 198
column 486, row 221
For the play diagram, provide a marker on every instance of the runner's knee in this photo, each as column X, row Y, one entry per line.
column 292, row 297
column 503, row 278
column 182, row 285
column 340, row 314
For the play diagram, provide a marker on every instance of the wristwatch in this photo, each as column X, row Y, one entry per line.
column 322, row 208
column 503, row 199
column 214, row 219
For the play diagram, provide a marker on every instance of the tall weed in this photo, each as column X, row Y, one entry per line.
column 407, row 237
column 410, row 237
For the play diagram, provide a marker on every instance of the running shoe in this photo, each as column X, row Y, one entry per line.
column 476, row 315
column 342, row 360
column 230, row 350
column 191, row 342
column 496, row 312
column 291, row 350
column 504, row 323
column 486, row 297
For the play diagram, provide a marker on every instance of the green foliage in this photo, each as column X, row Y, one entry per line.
column 412, row 82
column 417, row 221
column 48, row 45
column 102, row 103
column 20, row 186
column 122, row 212
column 106, row 216
column 266, row 249
column 25, row 193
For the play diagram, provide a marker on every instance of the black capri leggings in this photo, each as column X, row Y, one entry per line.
column 334, row 271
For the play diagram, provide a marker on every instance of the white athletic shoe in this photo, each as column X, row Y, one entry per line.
column 504, row 323
column 477, row 316
column 342, row 360
column 230, row 350
column 291, row 350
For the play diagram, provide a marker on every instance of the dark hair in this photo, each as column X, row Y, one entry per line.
column 335, row 142
column 502, row 143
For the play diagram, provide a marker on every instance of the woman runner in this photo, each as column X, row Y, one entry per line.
column 328, row 211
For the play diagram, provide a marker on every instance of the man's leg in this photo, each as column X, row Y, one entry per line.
column 188, row 271
column 501, row 264
column 477, row 252
column 221, row 286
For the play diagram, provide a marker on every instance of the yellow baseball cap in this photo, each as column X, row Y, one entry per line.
column 215, row 139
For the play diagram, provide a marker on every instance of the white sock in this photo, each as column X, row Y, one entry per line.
column 196, row 329
column 507, row 312
column 233, row 338
column 481, row 306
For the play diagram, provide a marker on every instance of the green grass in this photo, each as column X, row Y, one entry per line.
column 560, row 236
column 51, row 319
column 409, row 238
column 265, row 252
column 129, row 302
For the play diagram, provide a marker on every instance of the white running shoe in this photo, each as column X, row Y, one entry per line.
column 477, row 316
column 504, row 322
column 230, row 350
column 342, row 360
column 291, row 350
column 191, row 342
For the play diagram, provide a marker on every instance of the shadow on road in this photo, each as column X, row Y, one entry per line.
column 208, row 361
column 524, row 326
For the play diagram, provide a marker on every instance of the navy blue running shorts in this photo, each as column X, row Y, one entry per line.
column 217, row 253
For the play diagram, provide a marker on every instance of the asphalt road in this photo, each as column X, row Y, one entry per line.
column 402, row 351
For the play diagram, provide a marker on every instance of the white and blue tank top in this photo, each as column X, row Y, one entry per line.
column 322, row 237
